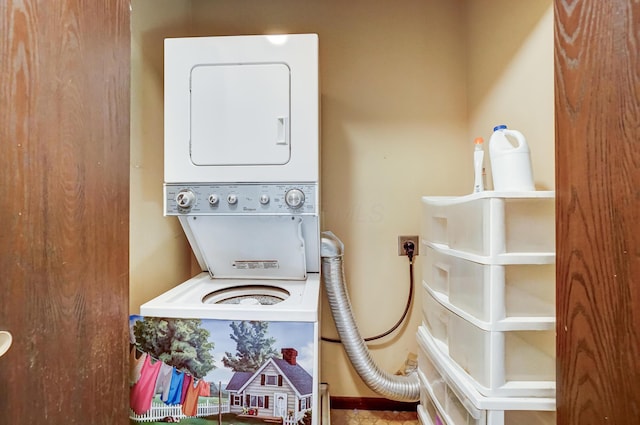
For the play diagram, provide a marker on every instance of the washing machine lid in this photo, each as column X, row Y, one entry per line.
column 241, row 247
column 240, row 114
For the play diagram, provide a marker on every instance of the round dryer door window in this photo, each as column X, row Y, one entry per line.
column 247, row 295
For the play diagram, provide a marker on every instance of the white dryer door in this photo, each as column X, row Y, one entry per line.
column 240, row 114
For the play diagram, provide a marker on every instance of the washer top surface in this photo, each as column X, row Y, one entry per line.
column 239, row 299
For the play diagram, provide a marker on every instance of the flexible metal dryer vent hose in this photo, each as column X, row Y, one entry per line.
column 400, row 388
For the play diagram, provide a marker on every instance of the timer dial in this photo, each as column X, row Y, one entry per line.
column 186, row 198
column 294, row 198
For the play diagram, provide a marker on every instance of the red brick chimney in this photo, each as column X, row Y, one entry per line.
column 289, row 355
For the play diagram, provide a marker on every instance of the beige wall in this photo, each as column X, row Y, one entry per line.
column 510, row 76
column 159, row 255
column 400, row 105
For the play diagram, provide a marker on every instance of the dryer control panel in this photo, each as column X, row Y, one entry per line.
column 241, row 199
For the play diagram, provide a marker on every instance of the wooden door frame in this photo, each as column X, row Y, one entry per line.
column 597, row 110
column 64, row 168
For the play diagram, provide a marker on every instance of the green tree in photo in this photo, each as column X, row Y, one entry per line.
column 181, row 343
column 253, row 347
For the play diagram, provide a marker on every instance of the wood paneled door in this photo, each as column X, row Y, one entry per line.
column 597, row 109
column 64, row 217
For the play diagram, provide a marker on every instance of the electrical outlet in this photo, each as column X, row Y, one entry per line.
column 403, row 239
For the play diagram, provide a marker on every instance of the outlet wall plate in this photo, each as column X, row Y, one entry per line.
column 416, row 244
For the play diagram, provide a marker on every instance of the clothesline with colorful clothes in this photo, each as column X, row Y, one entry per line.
column 150, row 376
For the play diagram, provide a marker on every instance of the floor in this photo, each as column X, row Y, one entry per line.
column 372, row 417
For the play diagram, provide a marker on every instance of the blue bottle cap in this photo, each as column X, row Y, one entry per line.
column 499, row 127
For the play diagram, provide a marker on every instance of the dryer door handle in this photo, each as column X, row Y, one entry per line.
column 283, row 131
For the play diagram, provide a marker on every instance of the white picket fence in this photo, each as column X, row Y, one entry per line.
column 159, row 410
column 292, row 420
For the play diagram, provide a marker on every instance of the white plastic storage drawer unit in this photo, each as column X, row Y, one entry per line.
column 508, row 362
column 500, row 226
column 448, row 398
column 492, row 296
column 429, row 414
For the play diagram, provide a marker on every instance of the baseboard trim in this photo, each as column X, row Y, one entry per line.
column 371, row 403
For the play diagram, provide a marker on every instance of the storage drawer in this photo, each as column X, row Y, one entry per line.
column 487, row 294
column 509, row 362
column 492, row 223
column 428, row 414
column 444, row 399
column 451, row 400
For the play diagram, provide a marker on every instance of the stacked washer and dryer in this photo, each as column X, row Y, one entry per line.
column 242, row 176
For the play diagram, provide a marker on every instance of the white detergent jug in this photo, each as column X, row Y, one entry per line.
column 510, row 161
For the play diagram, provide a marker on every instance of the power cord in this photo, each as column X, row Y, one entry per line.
column 409, row 248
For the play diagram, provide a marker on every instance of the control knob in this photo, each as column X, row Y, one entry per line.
column 232, row 199
column 213, row 199
column 294, row 198
column 186, row 199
